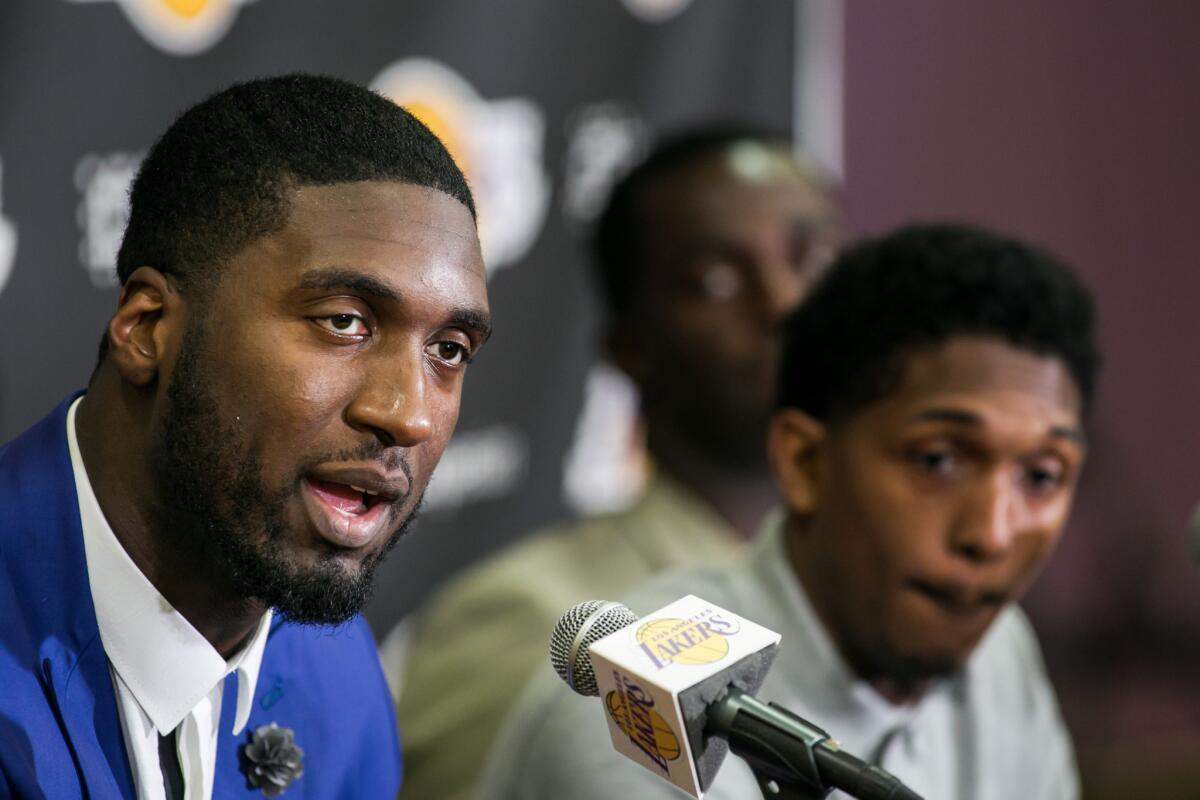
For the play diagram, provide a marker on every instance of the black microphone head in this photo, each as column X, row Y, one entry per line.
column 575, row 632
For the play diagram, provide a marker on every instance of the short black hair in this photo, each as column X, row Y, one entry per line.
column 620, row 231
column 221, row 175
column 882, row 300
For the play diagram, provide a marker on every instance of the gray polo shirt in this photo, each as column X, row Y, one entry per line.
column 992, row 732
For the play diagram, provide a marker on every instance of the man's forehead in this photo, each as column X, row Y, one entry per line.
column 386, row 212
column 390, row 232
column 988, row 369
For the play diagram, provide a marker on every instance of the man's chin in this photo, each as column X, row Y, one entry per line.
column 321, row 600
column 325, row 588
column 304, row 577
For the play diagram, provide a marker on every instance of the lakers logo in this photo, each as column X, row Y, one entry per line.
column 633, row 711
column 698, row 640
column 181, row 27
column 498, row 144
column 8, row 238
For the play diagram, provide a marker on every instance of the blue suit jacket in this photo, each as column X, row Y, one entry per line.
column 60, row 732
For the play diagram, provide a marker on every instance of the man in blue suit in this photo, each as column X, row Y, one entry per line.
column 184, row 548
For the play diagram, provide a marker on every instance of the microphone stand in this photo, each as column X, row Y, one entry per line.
column 791, row 758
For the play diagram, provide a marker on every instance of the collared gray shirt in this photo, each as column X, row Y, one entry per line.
column 992, row 732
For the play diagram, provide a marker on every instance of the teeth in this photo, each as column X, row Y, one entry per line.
column 364, row 491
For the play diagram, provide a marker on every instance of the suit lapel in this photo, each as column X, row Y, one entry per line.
column 80, row 687
column 59, row 609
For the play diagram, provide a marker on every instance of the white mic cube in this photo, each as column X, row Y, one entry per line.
column 657, row 677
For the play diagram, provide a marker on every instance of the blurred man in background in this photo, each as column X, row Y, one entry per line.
column 700, row 252
column 928, row 442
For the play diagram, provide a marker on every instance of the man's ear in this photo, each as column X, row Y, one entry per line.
column 148, row 312
column 794, row 445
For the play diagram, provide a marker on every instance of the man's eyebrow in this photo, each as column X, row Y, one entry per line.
column 955, row 415
column 1071, row 434
column 480, row 322
column 338, row 278
column 477, row 321
column 960, row 417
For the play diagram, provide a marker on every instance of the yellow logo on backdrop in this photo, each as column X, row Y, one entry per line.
column 498, row 144
column 186, row 8
column 180, row 27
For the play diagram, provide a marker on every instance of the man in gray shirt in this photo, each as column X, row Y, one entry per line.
column 928, row 441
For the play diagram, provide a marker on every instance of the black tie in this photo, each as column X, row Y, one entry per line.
column 168, row 759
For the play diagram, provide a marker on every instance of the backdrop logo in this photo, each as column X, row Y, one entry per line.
column 497, row 143
column 656, row 10
column 633, row 712
column 8, row 238
column 700, row 639
column 180, row 27
column 103, row 212
column 604, row 141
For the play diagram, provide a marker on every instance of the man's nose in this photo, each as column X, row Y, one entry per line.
column 393, row 402
column 988, row 522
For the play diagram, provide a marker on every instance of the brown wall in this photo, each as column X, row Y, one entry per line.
column 1077, row 125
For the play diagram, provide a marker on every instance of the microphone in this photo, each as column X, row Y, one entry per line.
column 678, row 690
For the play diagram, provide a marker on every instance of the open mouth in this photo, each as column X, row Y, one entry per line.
column 344, row 498
column 346, row 514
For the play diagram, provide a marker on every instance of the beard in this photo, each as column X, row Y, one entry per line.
column 217, row 508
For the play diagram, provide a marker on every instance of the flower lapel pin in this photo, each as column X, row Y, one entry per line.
column 272, row 760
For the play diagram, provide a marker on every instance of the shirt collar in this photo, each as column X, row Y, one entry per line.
column 166, row 663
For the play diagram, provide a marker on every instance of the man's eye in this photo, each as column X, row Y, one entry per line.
column 1044, row 478
column 344, row 324
column 451, row 353
column 719, row 281
column 935, row 461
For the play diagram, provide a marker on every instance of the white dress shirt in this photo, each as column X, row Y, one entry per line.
column 165, row 673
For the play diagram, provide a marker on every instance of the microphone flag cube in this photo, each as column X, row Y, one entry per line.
column 658, row 676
